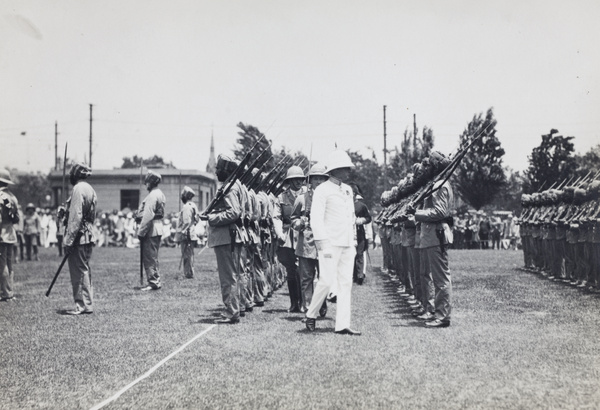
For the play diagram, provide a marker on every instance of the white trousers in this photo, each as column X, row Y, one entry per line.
column 335, row 271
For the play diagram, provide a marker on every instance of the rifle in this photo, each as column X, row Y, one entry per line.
column 253, row 181
column 277, row 175
column 62, row 263
column 64, row 171
column 62, row 209
column 247, row 177
column 230, row 181
column 271, row 173
column 137, row 216
column 446, row 173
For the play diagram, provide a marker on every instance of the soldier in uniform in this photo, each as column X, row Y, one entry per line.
column 332, row 220
column 363, row 219
column 79, row 238
column 306, row 250
column 287, row 241
column 225, row 239
column 185, row 233
column 9, row 217
column 150, row 229
column 435, row 238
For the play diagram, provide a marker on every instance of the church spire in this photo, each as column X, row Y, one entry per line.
column 212, row 161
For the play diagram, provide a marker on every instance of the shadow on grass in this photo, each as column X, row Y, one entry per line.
column 205, row 321
column 271, row 311
column 413, row 323
column 317, row 331
column 65, row 312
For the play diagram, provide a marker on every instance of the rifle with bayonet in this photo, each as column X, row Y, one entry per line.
column 231, row 179
column 247, row 177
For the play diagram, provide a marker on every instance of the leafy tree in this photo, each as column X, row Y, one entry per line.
column 509, row 197
column 480, row 176
column 588, row 162
column 550, row 162
column 152, row 162
column 412, row 150
column 367, row 175
column 248, row 136
column 30, row 188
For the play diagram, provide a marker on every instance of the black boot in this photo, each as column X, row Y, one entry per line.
column 293, row 289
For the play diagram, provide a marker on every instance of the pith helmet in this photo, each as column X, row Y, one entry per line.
column 153, row 178
column 80, row 171
column 294, row 172
column 338, row 159
column 318, row 170
column 5, row 176
column 187, row 193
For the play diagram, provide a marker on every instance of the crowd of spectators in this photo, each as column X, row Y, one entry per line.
column 479, row 230
column 41, row 227
column 118, row 228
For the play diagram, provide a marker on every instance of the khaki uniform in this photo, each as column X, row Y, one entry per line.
column 81, row 213
column 150, row 231
column 435, row 236
column 8, row 239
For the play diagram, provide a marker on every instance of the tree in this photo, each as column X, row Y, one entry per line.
column 588, row 162
column 367, row 174
column 30, row 188
column 248, row 136
column 412, row 150
column 552, row 161
column 480, row 176
column 509, row 197
column 152, row 162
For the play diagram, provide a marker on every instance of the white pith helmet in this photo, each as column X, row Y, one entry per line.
column 338, row 159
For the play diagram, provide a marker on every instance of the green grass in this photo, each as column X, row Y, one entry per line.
column 516, row 341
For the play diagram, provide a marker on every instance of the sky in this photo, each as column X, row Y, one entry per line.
column 165, row 76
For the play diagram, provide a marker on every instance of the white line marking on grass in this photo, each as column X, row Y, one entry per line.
column 149, row 372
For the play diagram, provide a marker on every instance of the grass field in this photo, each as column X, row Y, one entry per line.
column 516, row 341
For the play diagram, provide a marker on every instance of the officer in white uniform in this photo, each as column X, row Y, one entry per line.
column 332, row 220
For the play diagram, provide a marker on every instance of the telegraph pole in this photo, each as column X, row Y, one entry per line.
column 385, row 182
column 90, row 135
column 56, row 145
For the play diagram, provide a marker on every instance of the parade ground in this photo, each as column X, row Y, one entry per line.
column 517, row 341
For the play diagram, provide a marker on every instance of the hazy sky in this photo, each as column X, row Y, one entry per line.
column 165, row 75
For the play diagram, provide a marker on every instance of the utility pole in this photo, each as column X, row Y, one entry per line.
column 55, row 145
column 385, row 182
column 90, row 135
column 414, row 133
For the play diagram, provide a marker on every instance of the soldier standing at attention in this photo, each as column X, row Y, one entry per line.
column 225, row 239
column 363, row 218
column 150, row 229
column 186, row 231
column 79, row 238
column 306, row 250
column 332, row 220
column 9, row 217
column 435, row 238
column 287, row 242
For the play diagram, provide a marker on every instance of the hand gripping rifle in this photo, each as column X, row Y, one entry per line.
column 230, row 181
